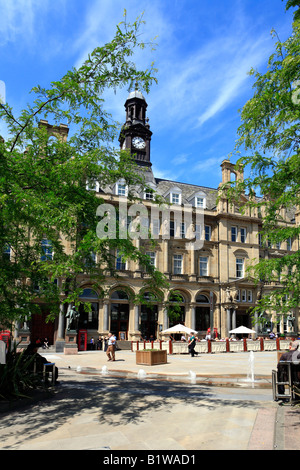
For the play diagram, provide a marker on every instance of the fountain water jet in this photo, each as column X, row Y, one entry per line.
column 141, row 374
column 251, row 367
column 192, row 376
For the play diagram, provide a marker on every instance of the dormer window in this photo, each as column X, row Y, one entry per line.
column 175, row 198
column 148, row 196
column 174, row 195
column 149, row 192
column 200, row 202
column 198, row 199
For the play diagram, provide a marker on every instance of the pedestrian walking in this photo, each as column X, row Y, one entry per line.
column 191, row 345
column 111, row 343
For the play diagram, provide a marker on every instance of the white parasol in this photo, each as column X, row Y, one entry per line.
column 179, row 329
column 242, row 330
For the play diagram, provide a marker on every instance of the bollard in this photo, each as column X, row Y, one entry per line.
column 277, row 344
column 261, row 344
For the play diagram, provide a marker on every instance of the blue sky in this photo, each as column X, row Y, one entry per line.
column 204, row 50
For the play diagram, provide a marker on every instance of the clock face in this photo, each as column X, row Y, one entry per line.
column 138, row 143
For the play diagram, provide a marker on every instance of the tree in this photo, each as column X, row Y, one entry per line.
column 44, row 201
column 292, row 4
column 269, row 146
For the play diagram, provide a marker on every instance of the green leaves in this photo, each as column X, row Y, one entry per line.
column 291, row 4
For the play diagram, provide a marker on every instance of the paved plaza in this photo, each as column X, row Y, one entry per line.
column 209, row 402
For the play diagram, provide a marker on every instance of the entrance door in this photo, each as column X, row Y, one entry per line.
column 180, row 319
column 148, row 322
column 202, row 319
column 243, row 319
column 40, row 329
column 119, row 319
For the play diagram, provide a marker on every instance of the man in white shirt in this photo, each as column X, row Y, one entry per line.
column 111, row 347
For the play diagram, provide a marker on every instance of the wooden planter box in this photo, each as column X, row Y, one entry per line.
column 148, row 357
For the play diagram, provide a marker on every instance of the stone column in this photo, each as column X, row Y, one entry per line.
column 256, row 324
column 137, row 317
column 233, row 319
column 228, row 321
column 105, row 316
column 165, row 256
column 165, row 320
column 60, row 341
column 193, row 317
column 192, row 251
column 136, row 334
column 61, row 322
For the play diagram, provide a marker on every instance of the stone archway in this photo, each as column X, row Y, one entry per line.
column 178, row 298
column 202, row 313
column 149, row 316
column 119, row 313
column 89, row 320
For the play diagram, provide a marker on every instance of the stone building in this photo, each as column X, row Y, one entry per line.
column 209, row 276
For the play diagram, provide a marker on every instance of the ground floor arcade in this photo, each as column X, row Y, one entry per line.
column 119, row 312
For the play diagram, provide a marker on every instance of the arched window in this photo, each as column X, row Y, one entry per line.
column 119, row 313
column 202, row 299
column 119, row 295
column 202, row 312
column 176, row 314
column 150, row 297
column 89, row 319
column 149, row 316
column 89, row 294
column 176, row 297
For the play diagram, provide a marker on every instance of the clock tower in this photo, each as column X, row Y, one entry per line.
column 135, row 134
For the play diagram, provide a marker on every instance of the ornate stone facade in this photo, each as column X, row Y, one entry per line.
column 210, row 278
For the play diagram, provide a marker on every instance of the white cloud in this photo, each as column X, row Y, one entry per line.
column 16, row 17
column 228, row 83
column 194, row 86
column 102, row 16
column 197, row 85
column 28, row 25
column 180, row 159
column 19, row 19
column 209, row 164
column 165, row 174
